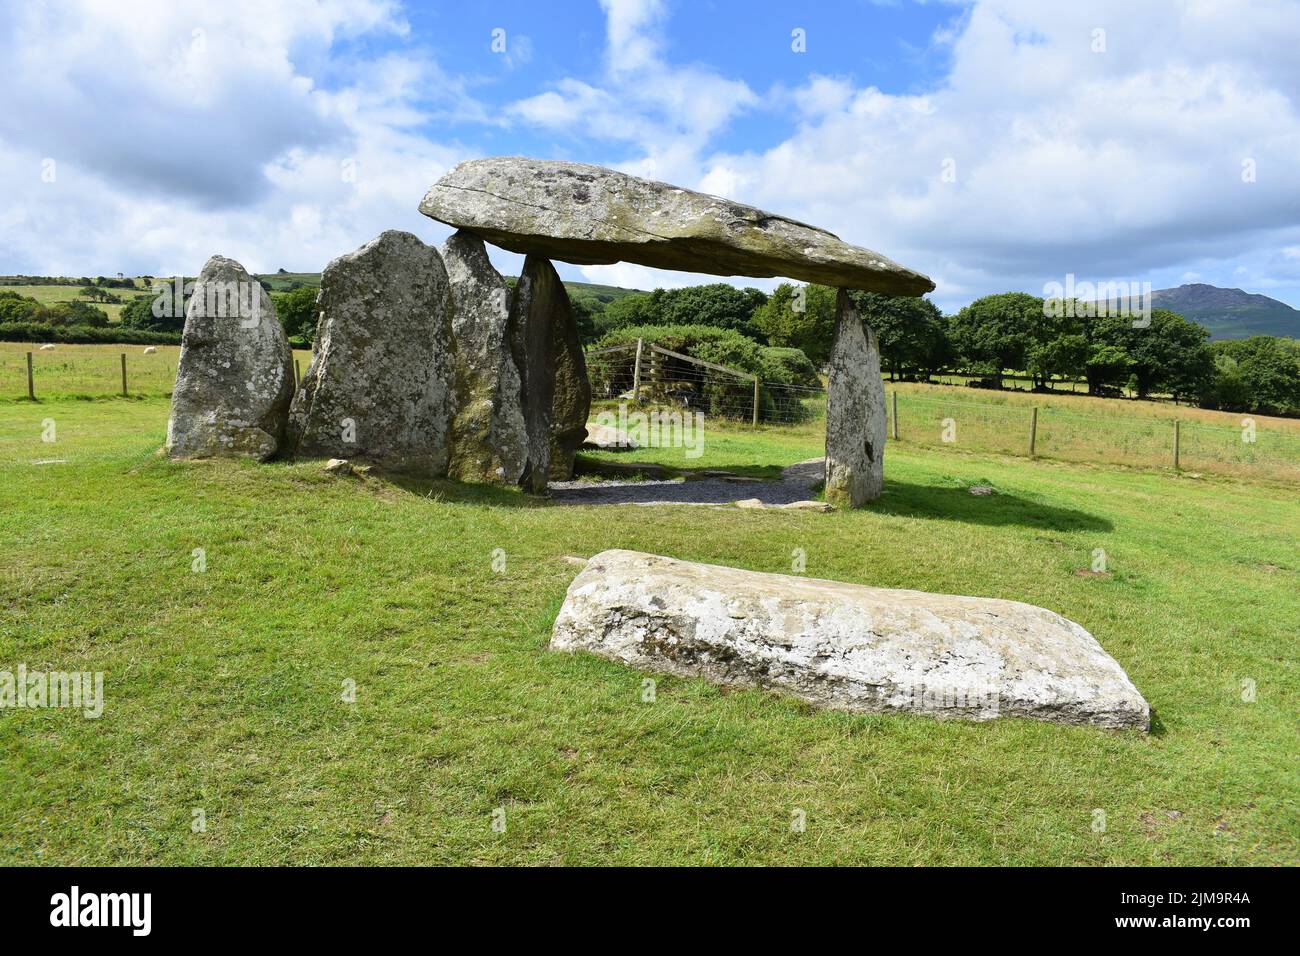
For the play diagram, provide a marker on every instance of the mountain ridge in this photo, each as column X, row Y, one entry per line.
column 1229, row 313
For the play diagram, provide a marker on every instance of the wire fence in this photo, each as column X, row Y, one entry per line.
column 952, row 422
column 93, row 371
column 666, row 378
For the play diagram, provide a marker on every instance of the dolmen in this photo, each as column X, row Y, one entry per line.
column 845, row 646
column 427, row 361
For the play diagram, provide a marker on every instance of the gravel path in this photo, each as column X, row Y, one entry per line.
column 795, row 484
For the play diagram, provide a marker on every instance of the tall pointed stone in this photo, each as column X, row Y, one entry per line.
column 488, row 441
column 571, row 403
column 379, row 386
column 548, row 353
column 855, row 411
column 234, row 379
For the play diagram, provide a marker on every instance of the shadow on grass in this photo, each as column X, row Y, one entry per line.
column 950, row 503
column 937, row 502
column 445, row 489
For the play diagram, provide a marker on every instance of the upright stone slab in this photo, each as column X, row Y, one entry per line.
column 489, row 440
column 855, row 411
column 379, row 385
column 571, row 403
column 845, row 646
column 234, row 380
column 553, row 374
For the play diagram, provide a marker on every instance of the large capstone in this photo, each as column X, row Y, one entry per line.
column 845, row 646
column 592, row 215
column 553, row 374
column 489, row 440
column 234, row 379
column 379, row 385
column 855, row 411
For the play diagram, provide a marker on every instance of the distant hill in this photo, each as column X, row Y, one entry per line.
column 1230, row 313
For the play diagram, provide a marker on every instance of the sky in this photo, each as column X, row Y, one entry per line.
column 991, row 144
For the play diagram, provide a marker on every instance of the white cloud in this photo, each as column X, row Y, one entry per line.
column 667, row 111
column 1106, row 139
column 171, row 145
column 189, row 128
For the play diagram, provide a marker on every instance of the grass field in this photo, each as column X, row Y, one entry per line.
column 94, row 371
column 53, row 294
column 224, row 688
column 1070, row 427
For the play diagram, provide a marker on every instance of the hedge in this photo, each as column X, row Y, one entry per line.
column 83, row 334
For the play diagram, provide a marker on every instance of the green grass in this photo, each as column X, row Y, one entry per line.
column 223, row 689
column 93, row 371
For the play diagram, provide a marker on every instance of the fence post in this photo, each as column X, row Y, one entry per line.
column 1177, row 438
column 297, row 375
column 124, row 375
column 895, row 394
column 1033, row 429
column 755, row 401
column 636, row 374
column 31, row 388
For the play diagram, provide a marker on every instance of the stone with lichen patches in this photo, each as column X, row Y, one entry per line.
column 234, row 377
column 845, row 646
column 379, row 385
column 855, row 411
column 593, row 215
column 553, row 373
column 489, row 439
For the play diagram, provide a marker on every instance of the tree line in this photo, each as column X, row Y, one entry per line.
column 988, row 341
column 991, row 339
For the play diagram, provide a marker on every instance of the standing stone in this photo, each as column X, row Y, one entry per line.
column 855, row 411
column 571, row 403
column 489, row 441
column 548, row 353
column 234, row 379
column 379, row 385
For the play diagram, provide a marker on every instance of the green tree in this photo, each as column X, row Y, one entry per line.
column 801, row 317
column 993, row 334
column 18, row 308
column 1269, row 371
column 73, row 313
column 139, row 314
column 1107, row 365
column 296, row 311
column 912, row 333
column 718, row 304
column 1169, row 354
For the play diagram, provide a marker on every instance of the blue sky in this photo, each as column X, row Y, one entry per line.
column 993, row 144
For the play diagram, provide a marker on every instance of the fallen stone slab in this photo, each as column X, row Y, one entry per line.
column 591, row 215
column 845, row 646
column 605, row 438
